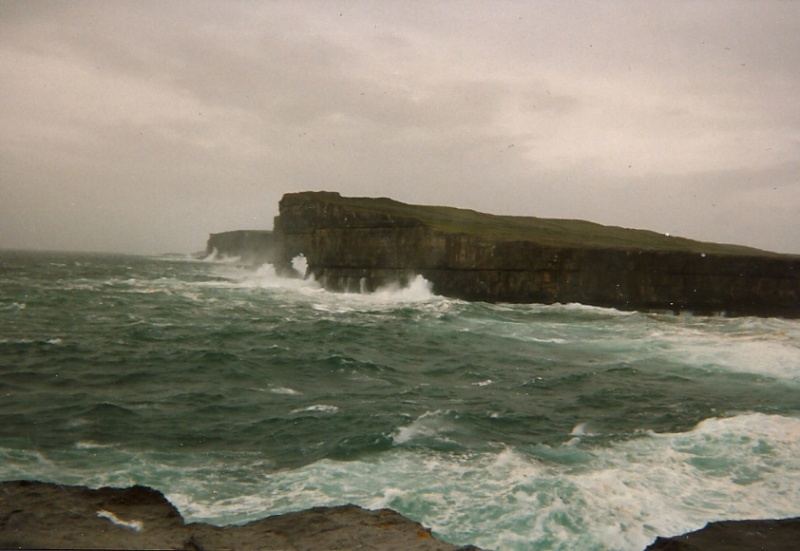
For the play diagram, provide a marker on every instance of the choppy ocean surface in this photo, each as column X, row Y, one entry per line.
column 240, row 394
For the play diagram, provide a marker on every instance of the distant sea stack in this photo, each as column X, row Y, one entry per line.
column 254, row 247
column 360, row 244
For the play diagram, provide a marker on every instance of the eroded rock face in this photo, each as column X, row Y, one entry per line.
column 360, row 244
column 37, row 515
column 350, row 245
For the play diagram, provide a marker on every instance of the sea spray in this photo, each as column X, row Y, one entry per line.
column 239, row 393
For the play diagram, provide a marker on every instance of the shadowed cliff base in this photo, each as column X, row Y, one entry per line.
column 363, row 243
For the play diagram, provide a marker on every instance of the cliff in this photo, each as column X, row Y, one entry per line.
column 354, row 244
column 251, row 247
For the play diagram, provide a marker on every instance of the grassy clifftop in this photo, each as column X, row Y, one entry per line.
column 547, row 231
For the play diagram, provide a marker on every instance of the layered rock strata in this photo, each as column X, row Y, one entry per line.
column 360, row 244
column 37, row 515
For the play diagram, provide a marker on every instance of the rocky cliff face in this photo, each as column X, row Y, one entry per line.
column 354, row 244
column 252, row 247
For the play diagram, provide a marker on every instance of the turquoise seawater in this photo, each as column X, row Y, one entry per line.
column 240, row 394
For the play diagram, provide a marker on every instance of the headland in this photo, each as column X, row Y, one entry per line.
column 360, row 244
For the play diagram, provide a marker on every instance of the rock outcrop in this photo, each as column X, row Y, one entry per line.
column 38, row 515
column 353, row 244
column 736, row 535
column 251, row 247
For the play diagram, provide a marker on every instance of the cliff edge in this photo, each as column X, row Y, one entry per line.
column 359, row 244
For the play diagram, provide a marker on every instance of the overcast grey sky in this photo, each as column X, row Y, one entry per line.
column 142, row 126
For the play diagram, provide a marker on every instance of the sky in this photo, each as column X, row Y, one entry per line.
column 143, row 126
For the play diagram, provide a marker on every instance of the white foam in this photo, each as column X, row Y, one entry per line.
column 317, row 408
column 300, row 265
column 569, row 497
column 584, row 308
column 263, row 277
column 581, row 429
column 762, row 347
column 135, row 525
column 418, row 289
column 217, row 258
column 89, row 445
column 429, row 424
column 284, row 390
column 417, row 292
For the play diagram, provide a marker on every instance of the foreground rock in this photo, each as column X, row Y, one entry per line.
column 37, row 515
column 40, row 515
column 359, row 244
column 739, row 535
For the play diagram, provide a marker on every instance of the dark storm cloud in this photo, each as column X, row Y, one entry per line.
column 142, row 126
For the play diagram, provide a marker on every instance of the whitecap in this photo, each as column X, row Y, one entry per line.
column 135, row 525
column 429, row 424
column 578, row 430
column 764, row 347
column 317, row 408
column 284, row 390
column 90, row 445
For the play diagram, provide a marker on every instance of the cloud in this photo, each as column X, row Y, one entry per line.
column 169, row 120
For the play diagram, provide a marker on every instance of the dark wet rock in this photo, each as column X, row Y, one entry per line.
column 736, row 535
column 38, row 515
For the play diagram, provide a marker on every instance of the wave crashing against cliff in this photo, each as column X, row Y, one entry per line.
column 363, row 244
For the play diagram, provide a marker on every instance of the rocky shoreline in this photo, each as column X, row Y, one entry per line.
column 41, row 515
column 736, row 535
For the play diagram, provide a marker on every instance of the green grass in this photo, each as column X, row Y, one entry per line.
column 547, row 231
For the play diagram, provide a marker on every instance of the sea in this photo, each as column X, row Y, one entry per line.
column 240, row 394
